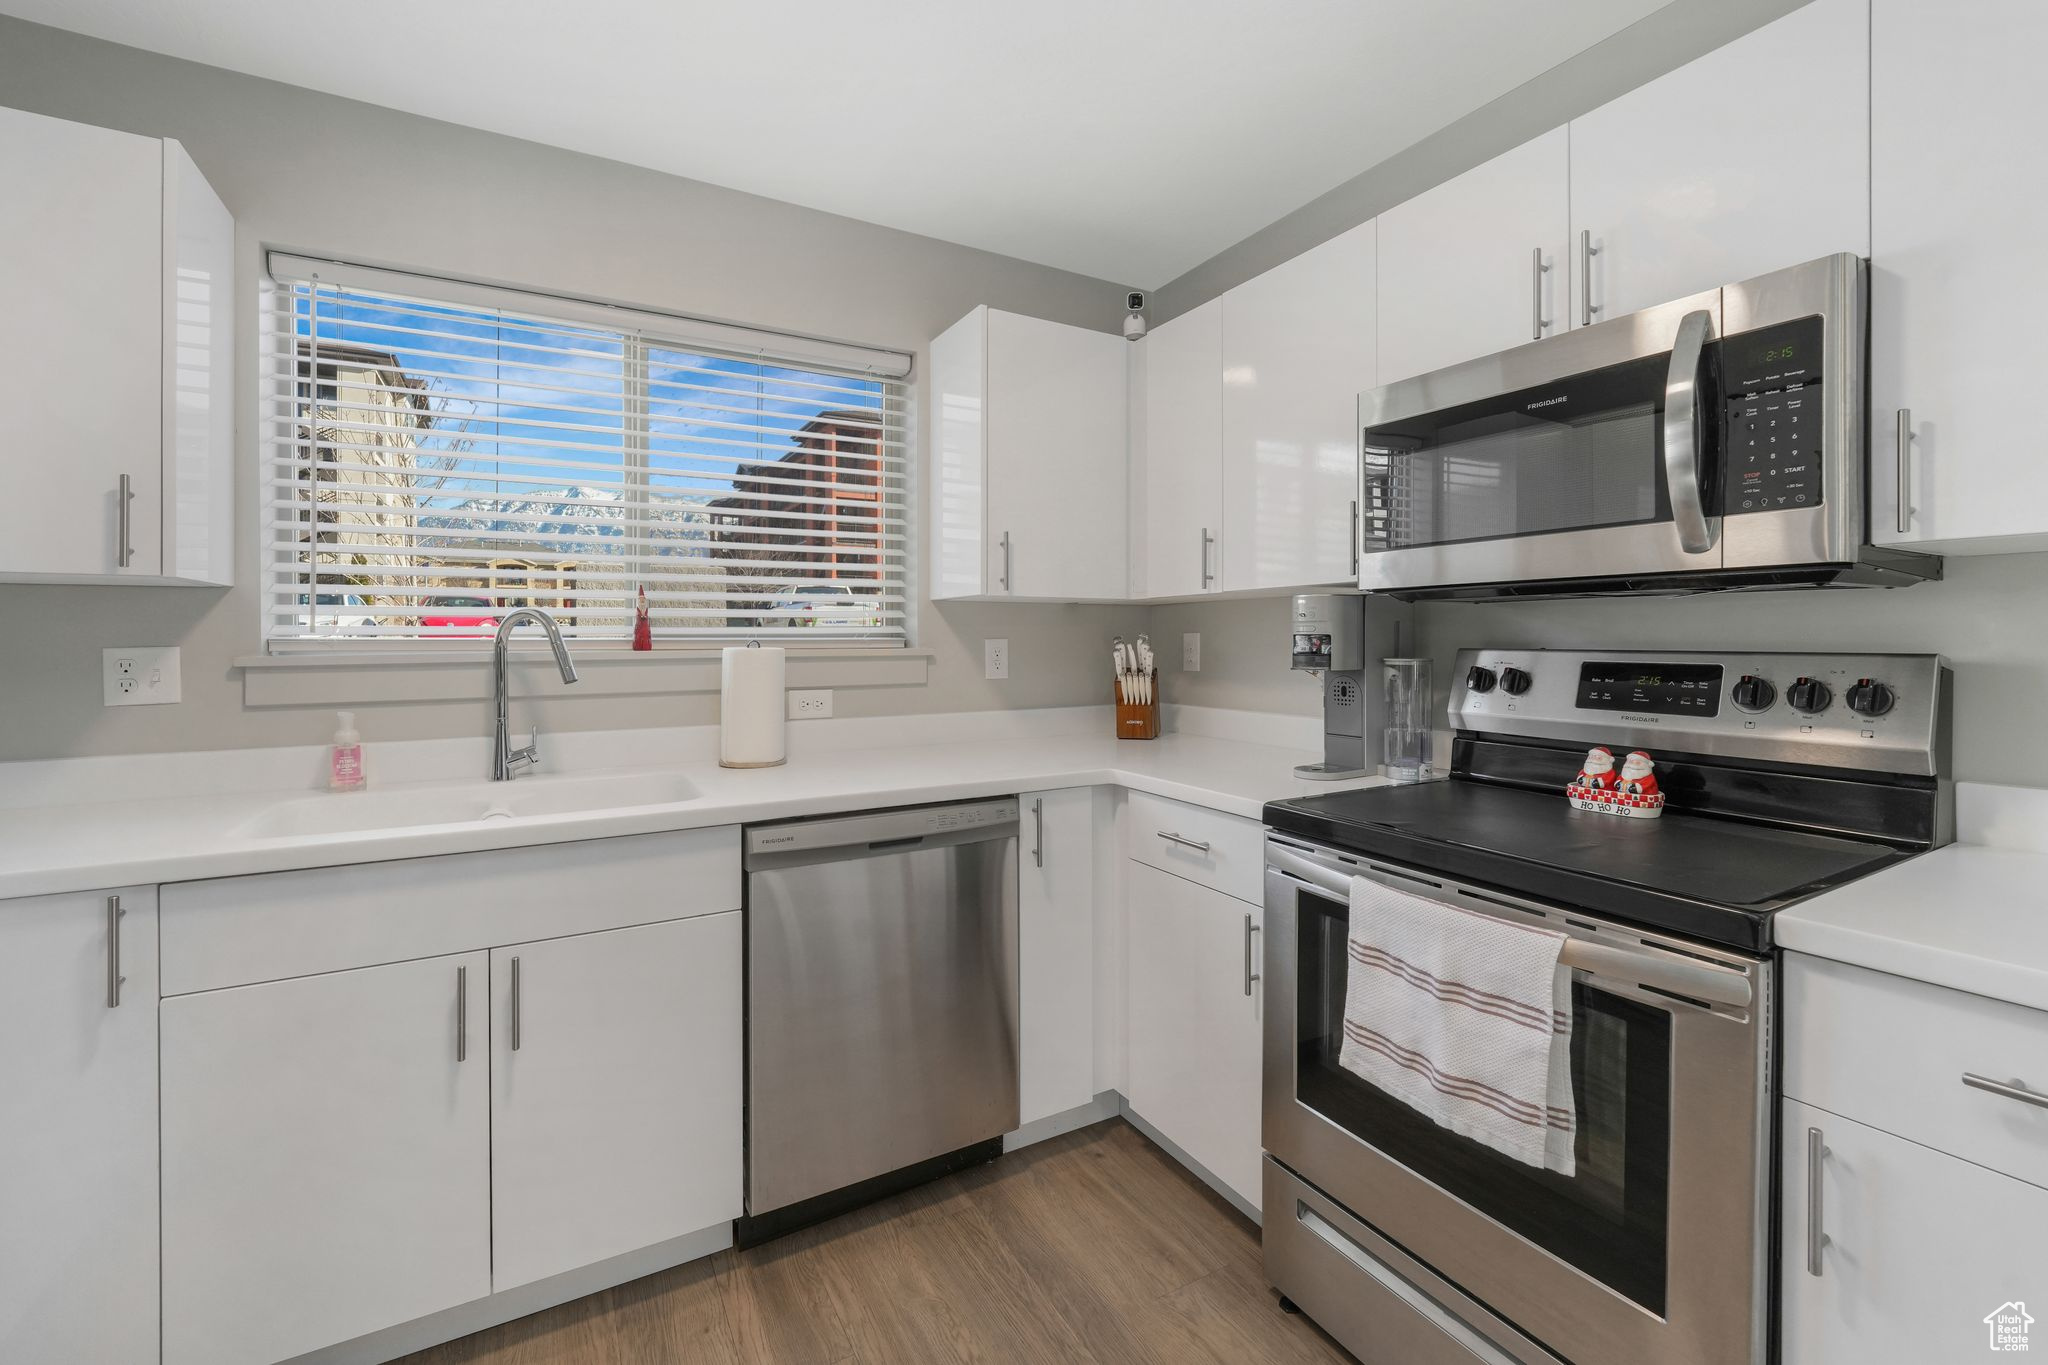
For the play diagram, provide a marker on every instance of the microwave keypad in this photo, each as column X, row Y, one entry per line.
column 1771, row 429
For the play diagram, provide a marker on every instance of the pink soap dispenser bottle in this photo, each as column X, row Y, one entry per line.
column 345, row 759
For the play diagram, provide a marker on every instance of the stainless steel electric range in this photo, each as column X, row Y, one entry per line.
column 1784, row 775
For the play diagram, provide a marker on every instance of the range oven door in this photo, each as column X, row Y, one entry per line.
column 1656, row 1249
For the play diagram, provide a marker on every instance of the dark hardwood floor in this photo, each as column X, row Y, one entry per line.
column 1095, row 1248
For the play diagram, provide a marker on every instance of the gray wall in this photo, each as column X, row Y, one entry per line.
column 311, row 172
column 1986, row 616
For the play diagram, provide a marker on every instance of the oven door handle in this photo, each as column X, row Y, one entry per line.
column 1684, row 433
column 1694, row 980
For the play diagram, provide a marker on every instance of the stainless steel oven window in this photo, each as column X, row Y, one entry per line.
column 1610, row 1219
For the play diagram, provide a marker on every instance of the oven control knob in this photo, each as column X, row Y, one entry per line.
column 1514, row 681
column 1753, row 693
column 1809, row 696
column 1480, row 678
column 1870, row 697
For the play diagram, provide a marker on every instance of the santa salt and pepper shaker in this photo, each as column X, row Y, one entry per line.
column 1632, row 792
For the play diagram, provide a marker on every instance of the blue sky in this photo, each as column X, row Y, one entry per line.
column 489, row 374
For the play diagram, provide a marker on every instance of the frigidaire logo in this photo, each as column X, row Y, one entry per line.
column 1549, row 402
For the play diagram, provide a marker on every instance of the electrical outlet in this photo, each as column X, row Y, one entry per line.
column 1191, row 652
column 813, row 705
column 139, row 676
column 995, row 658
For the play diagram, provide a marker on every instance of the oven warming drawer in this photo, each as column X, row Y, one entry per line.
column 1344, row 1275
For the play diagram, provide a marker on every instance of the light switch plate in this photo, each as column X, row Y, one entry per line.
column 1191, row 652
column 995, row 658
column 140, row 676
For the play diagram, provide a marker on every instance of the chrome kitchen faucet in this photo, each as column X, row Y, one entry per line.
column 505, row 760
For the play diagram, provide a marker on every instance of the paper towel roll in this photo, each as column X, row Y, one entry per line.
column 750, row 708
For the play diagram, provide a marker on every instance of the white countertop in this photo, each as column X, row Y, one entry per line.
column 1972, row 916
column 71, row 845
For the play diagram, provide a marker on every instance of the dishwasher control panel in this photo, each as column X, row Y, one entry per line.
column 903, row 827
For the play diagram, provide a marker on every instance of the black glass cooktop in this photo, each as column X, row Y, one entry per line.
column 1701, row 875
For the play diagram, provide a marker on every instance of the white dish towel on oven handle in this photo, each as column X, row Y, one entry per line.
column 1466, row 1018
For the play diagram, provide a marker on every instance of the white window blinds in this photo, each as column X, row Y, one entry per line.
column 438, row 457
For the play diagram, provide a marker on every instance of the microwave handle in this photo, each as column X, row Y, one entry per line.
column 1684, row 465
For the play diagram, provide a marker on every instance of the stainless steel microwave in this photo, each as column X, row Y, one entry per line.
column 1714, row 442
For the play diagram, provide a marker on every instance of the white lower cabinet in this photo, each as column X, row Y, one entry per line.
column 78, row 1134
column 1194, row 1028
column 1056, row 952
column 326, row 1158
column 1921, row 1247
column 616, row 1093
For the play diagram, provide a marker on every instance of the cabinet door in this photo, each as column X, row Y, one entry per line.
column 326, row 1158
column 1180, row 481
column 1194, row 1023
column 616, row 1093
column 1298, row 347
column 1056, row 953
column 1921, row 1247
column 1956, row 275
column 1057, row 483
column 1477, row 264
column 78, row 1149
column 81, row 344
column 1752, row 158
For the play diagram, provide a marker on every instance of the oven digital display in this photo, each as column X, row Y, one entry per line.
column 1656, row 688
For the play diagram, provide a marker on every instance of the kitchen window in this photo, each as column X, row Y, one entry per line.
column 439, row 453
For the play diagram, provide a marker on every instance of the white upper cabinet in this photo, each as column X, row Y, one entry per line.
column 115, row 359
column 1752, row 158
column 1957, row 273
column 1029, row 460
column 1177, row 471
column 1477, row 264
column 78, row 1128
column 1298, row 346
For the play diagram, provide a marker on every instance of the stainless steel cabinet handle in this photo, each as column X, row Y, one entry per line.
column 1038, row 832
column 1816, row 1152
column 1006, row 562
column 2012, row 1091
column 1905, row 470
column 1250, row 975
column 124, row 553
column 1684, row 470
column 1194, row 844
column 1537, row 270
column 1587, row 251
column 462, row 1014
column 114, row 977
column 1354, row 537
column 515, row 1004
column 1207, row 541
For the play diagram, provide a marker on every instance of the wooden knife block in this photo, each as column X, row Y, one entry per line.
column 1137, row 720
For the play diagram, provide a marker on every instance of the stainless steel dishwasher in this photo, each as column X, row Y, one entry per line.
column 881, row 1004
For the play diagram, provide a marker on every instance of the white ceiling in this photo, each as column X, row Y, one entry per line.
column 1126, row 139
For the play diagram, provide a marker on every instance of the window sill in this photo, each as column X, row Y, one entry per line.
column 361, row 677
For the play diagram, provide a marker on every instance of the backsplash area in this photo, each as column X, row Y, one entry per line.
column 1985, row 615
